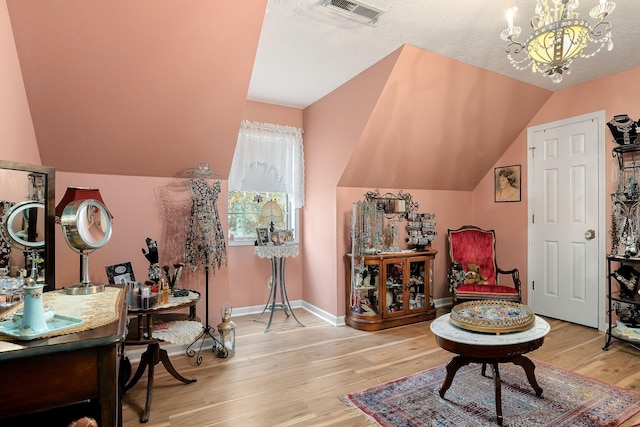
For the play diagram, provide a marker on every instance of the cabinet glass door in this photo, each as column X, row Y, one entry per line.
column 418, row 287
column 395, row 281
column 365, row 300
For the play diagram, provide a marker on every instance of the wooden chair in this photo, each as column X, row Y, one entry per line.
column 475, row 247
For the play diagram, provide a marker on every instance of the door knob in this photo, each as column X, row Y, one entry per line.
column 590, row 234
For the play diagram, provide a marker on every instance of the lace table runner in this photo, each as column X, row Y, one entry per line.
column 96, row 310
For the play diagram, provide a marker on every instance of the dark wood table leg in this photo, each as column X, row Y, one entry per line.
column 452, row 367
column 529, row 369
column 498, row 391
column 149, row 359
column 166, row 362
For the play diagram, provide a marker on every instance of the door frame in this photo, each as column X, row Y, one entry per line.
column 599, row 116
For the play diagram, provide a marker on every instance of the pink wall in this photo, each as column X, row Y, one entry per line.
column 159, row 208
column 18, row 141
column 333, row 127
column 616, row 94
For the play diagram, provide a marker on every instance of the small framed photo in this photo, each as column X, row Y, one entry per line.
column 277, row 237
column 507, row 184
column 120, row 273
column 263, row 236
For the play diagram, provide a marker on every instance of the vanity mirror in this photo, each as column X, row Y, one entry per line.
column 27, row 203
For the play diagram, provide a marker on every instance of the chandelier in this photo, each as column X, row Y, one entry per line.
column 559, row 36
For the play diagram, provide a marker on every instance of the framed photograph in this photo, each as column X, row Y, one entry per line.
column 507, row 184
column 120, row 273
column 278, row 237
column 263, row 236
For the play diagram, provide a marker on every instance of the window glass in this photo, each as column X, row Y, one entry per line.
column 244, row 214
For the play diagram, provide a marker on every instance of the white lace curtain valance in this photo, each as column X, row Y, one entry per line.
column 269, row 158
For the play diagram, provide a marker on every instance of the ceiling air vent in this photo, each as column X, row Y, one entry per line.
column 359, row 10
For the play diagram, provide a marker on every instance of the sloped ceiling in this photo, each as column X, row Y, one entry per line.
column 144, row 87
column 150, row 87
column 460, row 121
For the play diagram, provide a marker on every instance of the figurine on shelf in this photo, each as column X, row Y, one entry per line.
column 155, row 273
column 623, row 129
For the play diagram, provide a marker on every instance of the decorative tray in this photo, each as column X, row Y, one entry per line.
column 56, row 324
column 492, row 316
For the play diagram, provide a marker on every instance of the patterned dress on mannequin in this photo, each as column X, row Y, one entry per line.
column 205, row 243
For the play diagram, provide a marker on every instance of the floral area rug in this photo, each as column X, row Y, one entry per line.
column 568, row 399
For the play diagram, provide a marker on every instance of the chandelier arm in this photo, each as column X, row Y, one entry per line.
column 598, row 29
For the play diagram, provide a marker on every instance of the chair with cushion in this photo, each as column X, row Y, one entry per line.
column 473, row 270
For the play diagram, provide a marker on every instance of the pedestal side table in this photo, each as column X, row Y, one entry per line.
column 492, row 349
column 142, row 333
column 278, row 254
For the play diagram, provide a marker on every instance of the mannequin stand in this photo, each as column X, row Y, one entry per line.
column 208, row 331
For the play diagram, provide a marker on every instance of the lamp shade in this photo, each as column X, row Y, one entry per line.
column 271, row 212
column 79, row 193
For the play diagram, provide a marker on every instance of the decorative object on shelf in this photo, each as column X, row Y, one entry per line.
column 172, row 278
column 420, row 230
column 627, row 277
column 227, row 330
column 558, row 37
column 507, row 183
column 205, row 244
column 625, row 203
column 120, row 273
column 627, row 313
column 394, row 208
column 263, row 236
column 155, row 273
column 86, row 224
column 623, row 129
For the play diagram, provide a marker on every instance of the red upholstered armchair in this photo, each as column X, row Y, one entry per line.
column 473, row 271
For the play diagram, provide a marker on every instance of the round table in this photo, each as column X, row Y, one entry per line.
column 486, row 348
column 278, row 255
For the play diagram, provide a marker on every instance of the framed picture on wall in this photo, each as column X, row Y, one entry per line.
column 507, row 184
column 120, row 273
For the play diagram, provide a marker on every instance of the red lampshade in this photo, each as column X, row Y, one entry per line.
column 79, row 193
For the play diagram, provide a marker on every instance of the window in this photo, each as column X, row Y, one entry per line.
column 244, row 214
column 268, row 164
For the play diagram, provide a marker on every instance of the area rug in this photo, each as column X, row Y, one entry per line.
column 568, row 399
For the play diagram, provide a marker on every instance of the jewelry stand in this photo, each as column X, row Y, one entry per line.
column 208, row 331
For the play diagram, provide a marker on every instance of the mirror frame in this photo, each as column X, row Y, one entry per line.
column 50, row 211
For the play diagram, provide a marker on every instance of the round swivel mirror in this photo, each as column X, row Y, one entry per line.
column 23, row 229
column 87, row 226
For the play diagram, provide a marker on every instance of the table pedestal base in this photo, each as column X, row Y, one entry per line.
column 277, row 274
column 459, row 361
column 149, row 359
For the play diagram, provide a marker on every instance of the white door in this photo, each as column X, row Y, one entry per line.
column 566, row 232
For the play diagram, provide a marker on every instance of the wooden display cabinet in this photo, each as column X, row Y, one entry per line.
column 393, row 289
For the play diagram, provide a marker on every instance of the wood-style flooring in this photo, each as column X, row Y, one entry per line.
column 292, row 375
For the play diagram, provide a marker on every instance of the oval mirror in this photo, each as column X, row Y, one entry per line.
column 23, row 226
column 86, row 224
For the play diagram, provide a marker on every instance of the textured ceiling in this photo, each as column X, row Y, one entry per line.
column 306, row 51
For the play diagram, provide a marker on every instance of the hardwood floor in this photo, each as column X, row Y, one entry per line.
column 292, row 376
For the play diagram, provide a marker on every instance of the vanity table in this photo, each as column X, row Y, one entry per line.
column 278, row 255
column 63, row 370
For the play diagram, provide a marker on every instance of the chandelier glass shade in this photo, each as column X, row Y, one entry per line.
column 558, row 37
